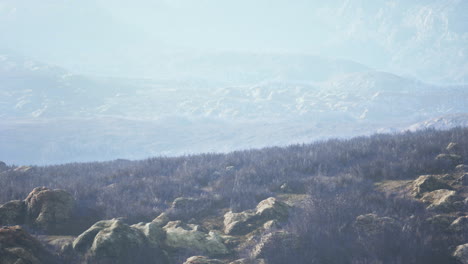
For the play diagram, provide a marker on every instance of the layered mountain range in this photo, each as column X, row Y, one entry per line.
column 49, row 115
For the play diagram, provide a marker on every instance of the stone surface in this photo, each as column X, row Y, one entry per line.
column 460, row 225
column 461, row 253
column 49, row 210
column 13, row 213
column 202, row 260
column 245, row 222
column 441, row 200
column 462, row 168
column 463, row 180
column 449, row 157
column 453, row 147
column 427, row 183
column 194, row 238
column 153, row 232
column 17, row 246
column 113, row 241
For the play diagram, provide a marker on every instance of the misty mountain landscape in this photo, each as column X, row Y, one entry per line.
column 246, row 132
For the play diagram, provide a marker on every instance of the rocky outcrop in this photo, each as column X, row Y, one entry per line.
column 113, row 241
column 454, row 158
column 153, row 232
column 372, row 224
column 13, row 213
column 463, row 180
column 427, row 183
column 18, row 247
column 180, row 236
column 461, row 254
column 461, row 168
column 202, row 260
column 441, row 200
column 460, row 225
column 453, row 148
column 49, row 210
column 247, row 221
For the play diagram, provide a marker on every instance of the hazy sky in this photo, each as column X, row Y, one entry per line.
column 411, row 37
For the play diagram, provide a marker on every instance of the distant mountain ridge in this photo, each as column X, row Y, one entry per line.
column 52, row 116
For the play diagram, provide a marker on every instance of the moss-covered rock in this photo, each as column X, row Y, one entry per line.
column 113, row 241
column 194, row 238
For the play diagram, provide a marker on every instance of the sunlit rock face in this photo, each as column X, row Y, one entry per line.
column 247, row 221
column 116, row 242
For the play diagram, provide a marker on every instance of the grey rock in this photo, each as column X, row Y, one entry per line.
column 49, row 210
column 427, row 183
column 113, row 241
column 194, row 238
column 245, row 222
column 461, row 253
column 441, row 200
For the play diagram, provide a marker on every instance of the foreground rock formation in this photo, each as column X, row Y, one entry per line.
column 18, row 247
column 44, row 209
column 113, row 241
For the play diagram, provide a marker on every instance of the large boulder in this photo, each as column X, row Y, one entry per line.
column 202, row 260
column 18, row 247
column 441, row 200
column 49, row 210
column 113, row 241
column 461, row 253
column 153, row 232
column 427, row 183
column 460, row 225
column 194, row 238
column 13, row 213
column 245, row 222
